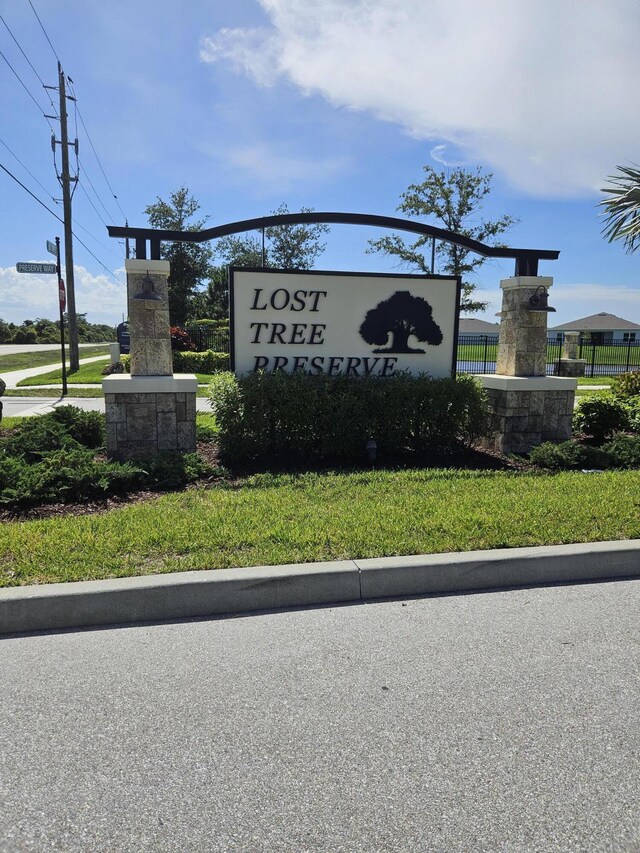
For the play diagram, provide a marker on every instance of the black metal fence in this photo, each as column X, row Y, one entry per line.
column 478, row 353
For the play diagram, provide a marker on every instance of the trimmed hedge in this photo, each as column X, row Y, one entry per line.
column 296, row 415
column 192, row 362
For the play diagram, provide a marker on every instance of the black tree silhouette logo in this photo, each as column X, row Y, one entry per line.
column 400, row 316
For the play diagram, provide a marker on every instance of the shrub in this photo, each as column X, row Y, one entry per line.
column 68, row 474
column 299, row 415
column 569, row 455
column 180, row 340
column 626, row 385
column 87, row 428
column 35, row 437
column 633, row 413
column 624, row 451
column 191, row 362
column 172, row 470
column 600, row 417
column 66, row 427
column 200, row 362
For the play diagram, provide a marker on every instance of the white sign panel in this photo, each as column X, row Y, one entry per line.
column 349, row 324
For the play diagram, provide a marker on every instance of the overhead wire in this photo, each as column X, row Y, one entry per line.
column 54, row 214
column 27, row 90
column 44, row 31
column 26, row 168
column 31, row 65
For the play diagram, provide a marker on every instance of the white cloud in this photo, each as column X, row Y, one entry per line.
column 24, row 296
column 544, row 91
column 277, row 167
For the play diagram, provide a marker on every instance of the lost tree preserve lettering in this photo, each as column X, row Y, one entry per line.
column 342, row 324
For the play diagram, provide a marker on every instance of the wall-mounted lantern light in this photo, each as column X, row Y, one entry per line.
column 148, row 291
column 539, row 300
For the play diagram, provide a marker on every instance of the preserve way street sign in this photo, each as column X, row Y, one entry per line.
column 49, row 269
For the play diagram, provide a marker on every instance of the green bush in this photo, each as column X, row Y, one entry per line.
column 569, row 456
column 633, row 413
column 316, row 416
column 192, row 362
column 600, row 416
column 172, row 470
column 87, row 428
column 624, row 451
column 66, row 427
column 65, row 475
column 200, row 362
column 626, row 385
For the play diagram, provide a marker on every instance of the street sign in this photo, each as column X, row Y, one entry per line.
column 49, row 269
column 62, row 296
column 51, row 248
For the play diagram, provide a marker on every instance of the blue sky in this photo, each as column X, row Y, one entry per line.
column 330, row 104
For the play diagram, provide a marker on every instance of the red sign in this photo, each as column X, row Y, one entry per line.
column 62, row 296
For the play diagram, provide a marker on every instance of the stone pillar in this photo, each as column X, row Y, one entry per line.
column 522, row 343
column 570, row 364
column 526, row 406
column 150, row 410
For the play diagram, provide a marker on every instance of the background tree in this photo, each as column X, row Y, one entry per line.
column 622, row 208
column 190, row 262
column 400, row 316
column 285, row 247
column 454, row 199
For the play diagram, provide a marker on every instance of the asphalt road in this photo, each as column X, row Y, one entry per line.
column 496, row 722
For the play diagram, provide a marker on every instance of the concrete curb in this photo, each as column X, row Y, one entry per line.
column 227, row 591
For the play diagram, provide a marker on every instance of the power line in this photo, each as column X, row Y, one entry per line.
column 11, row 175
column 98, row 159
column 99, row 215
column 45, row 32
column 24, row 86
column 30, row 64
column 26, row 189
column 27, row 169
column 95, row 191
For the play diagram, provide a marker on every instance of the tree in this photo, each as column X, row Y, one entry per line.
column 285, row 247
column 190, row 262
column 400, row 316
column 622, row 208
column 455, row 200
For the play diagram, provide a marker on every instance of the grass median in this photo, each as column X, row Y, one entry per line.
column 40, row 358
column 271, row 519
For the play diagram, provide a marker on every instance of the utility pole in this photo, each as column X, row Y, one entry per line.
column 65, row 181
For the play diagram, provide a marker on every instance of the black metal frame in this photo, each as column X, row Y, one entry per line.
column 526, row 259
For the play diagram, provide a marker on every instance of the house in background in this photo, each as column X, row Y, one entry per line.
column 600, row 328
column 471, row 327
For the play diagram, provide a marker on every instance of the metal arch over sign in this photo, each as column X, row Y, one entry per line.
column 526, row 259
column 343, row 324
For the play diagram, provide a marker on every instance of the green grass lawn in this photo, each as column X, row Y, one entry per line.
column 88, row 373
column 273, row 519
column 38, row 358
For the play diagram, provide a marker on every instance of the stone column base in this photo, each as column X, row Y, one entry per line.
column 572, row 367
column 525, row 412
column 147, row 415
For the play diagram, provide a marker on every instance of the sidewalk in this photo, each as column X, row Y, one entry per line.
column 14, row 376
